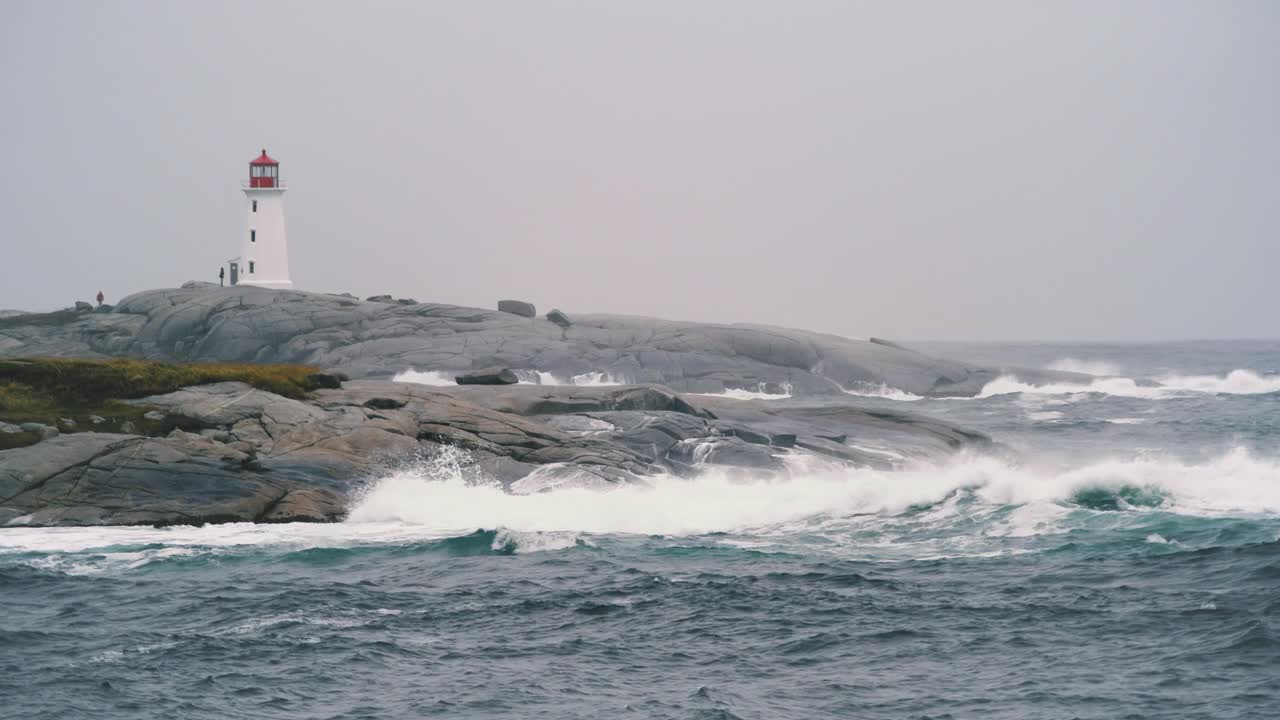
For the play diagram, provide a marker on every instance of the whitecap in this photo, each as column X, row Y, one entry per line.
column 1236, row 382
column 527, row 542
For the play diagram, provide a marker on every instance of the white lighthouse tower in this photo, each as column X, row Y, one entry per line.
column 264, row 253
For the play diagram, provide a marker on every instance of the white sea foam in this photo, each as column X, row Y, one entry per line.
column 527, row 377
column 588, row 379
column 1236, row 382
column 595, row 379
column 1085, row 367
column 430, row 377
column 719, row 502
column 758, row 394
column 527, row 542
column 537, row 377
column 883, row 391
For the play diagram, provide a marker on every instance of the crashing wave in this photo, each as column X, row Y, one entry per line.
column 719, row 501
column 968, row 507
column 430, row 377
column 1236, row 382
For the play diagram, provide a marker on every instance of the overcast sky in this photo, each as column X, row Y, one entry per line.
column 915, row 170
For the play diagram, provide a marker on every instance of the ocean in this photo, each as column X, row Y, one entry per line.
column 1118, row 556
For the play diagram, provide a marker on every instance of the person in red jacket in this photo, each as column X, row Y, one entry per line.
column 101, row 297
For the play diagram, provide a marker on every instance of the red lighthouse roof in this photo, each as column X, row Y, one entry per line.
column 264, row 159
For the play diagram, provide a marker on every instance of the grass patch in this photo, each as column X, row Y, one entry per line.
column 70, row 380
column 8, row 441
column 90, row 393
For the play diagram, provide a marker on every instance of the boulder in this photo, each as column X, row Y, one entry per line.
column 488, row 376
column 517, row 307
column 104, row 308
column 386, row 299
column 559, row 318
column 327, row 380
column 383, row 403
column 82, row 306
column 406, row 301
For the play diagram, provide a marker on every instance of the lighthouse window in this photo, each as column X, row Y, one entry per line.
column 253, row 236
column 255, row 206
column 250, row 267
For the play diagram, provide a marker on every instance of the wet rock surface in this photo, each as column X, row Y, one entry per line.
column 249, row 455
column 487, row 376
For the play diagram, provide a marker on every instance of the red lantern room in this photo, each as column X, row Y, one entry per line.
column 264, row 172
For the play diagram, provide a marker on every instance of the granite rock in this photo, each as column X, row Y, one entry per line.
column 517, row 307
column 249, row 455
column 559, row 318
column 487, row 376
column 379, row 339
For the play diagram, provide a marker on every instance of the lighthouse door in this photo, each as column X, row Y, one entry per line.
column 235, row 273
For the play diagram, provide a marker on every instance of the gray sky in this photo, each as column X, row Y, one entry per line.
column 947, row 170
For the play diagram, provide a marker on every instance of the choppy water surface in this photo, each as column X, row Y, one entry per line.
column 1127, row 566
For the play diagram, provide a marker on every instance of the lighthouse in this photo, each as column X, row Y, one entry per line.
column 264, row 253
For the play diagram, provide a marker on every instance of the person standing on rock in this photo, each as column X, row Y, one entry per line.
column 222, row 273
column 101, row 297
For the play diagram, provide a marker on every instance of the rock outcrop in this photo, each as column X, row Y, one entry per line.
column 381, row 338
column 227, row 451
column 518, row 307
column 559, row 318
column 242, row 454
column 487, row 376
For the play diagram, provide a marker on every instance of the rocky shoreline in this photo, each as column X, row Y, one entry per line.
column 237, row 453
column 383, row 336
